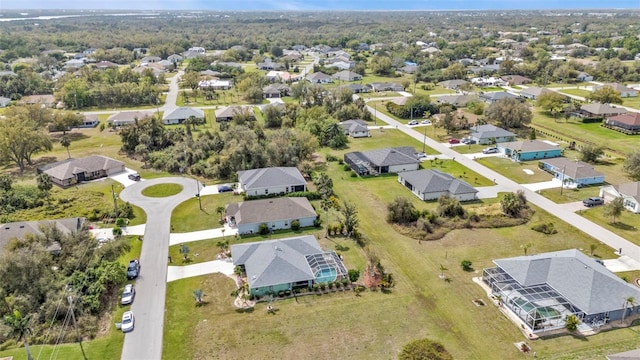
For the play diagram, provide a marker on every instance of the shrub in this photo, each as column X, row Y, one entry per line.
column 353, row 275
column 310, row 195
column 323, row 286
column 316, row 287
column 331, row 158
column 263, row 229
column 340, row 161
column 466, row 265
column 317, row 222
column 424, row 349
column 121, row 222
column 346, row 167
column 295, row 225
column 353, row 174
column 545, row 228
column 345, row 282
column 330, row 285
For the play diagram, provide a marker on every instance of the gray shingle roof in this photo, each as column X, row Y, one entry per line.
column 578, row 278
column 19, row 229
column 270, row 177
column 528, row 146
column 602, row 109
column 429, row 181
column 231, row 111
column 274, row 262
column 629, row 189
column 354, row 125
column 535, row 91
column 183, row 113
column 391, row 156
column 66, row 169
column 271, row 210
column 318, row 76
column 124, row 117
column 489, row 131
column 498, row 95
column 573, row 169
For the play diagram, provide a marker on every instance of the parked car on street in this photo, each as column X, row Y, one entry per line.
column 593, row 201
column 133, row 269
column 413, row 122
column 454, row 141
column 128, row 294
column 490, row 150
column 127, row 321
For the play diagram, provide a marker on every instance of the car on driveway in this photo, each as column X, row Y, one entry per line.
column 128, row 294
column 490, row 150
column 127, row 321
column 468, row 141
column 425, row 122
column 224, row 188
column 413, row 122
column 454, row 141
column 133, row 270
column 420, row 155
column 134, row 176
column 593, row 201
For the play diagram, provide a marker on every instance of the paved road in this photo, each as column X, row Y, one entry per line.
column 145, row 342
column 172, row 95
column 598, row 232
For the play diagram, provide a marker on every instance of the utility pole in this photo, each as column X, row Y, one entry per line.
column 562, row 181
column 424, row 140
column 73, row 317
column 198, row 193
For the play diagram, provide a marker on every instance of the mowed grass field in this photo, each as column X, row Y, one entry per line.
column 377, row 325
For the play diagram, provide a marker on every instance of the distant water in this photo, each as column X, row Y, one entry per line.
column 52, row 17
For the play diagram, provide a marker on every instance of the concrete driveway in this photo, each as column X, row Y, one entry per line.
column 123, row 177
column 224, row 266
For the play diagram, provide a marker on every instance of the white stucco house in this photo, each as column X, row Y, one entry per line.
column 432, row 184
column 274, row 180
column 630, row 193
column 277, row 213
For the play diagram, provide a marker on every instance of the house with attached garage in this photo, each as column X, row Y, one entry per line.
column 128, row 117
column 492, row 97
column 355, row 128
column 382, row 161
column 489, row 134
column 346, row 75
column 71, row 171
column 572, row 172
column 453, row 84
column 20, row 229
column 273, row 180
column 279, row 265
column 432, row 184
column 598, row 110
column 623, row 90
column 628, row 123
column 584, row 77
column 227, row 113
column 319, row 78
column 529, row 150
column 277, row 213
column 179, row 115
column 533, row 92
column 630, row 193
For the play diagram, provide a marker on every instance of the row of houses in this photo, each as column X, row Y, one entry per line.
column 175, row 116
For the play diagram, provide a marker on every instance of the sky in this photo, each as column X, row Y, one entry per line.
column 317, row 4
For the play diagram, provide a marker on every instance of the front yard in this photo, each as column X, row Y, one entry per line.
column 516, row 170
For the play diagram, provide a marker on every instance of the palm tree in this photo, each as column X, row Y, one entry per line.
column 442, row 270
column 526, row 247
column 593, row 248
column 19, row 328
column 220, row 210
column 65, row 141
column 629, row 302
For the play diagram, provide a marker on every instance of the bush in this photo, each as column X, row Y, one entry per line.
column 345, row 282
column 316, row 287
column 323, row 286
column 331, row 158
column 466, row 265
column 121, row 222
column 545, row 228
column 295, row 225
column 340, row 161
column 346, row 167
column 310, row 195
column 353, row 275
column 330, row 285
column 263, row 229
column 353, row 174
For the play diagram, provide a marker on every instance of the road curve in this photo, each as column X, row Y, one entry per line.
column 596, row 231
column 145, row 342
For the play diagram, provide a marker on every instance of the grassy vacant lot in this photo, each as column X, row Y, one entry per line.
column 379, row 94
column 421, row 304
column 108, row 343
column 570, row 195
column 515, row 170
column 576, row 92
column 633, row 102
column 188, row 216
column 162, row 190
column 382, row 138
column 626, row 224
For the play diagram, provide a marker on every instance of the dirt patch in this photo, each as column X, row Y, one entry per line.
column 372, row 277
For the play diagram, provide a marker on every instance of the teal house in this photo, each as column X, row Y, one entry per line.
column 529, row 150
column 284, row 264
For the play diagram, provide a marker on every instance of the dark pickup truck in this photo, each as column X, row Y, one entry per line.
column 593, row 201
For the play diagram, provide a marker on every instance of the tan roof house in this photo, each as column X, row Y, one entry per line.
column 71, row 171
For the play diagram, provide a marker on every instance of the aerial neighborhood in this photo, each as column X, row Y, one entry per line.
column 307, row 184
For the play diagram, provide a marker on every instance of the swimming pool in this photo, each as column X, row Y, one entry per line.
column 545, row 311
column 326, row 275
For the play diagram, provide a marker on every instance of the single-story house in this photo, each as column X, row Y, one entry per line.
column 461, row 119
column 46, row 101
column 319, row 78
column 358, row 88
column 175, row 58
column 456, row 100
column 215, row 84
column 409, row 69
column 382, row 161
column 355, row 128
column 272, row 266
column 432, row 184
column 346, row 75
column 273, row 180
column 516, row 79
column 453, row 84
column 529, row 150
column 89, row 121
column 630, row 193
column 105, row 65
column 128, row 117
column 19, row 229
column 488, row 134
column 180, row 114
column 572, row 172
column 277, row 213
column 584, row 77
column 71, row 171
column 624, row 91
column 379, row 86
column 227, row 113
column 270, row 92
column 595, row 110
column 4, row 101
column 280, row 76
column 543, row 289
column 150, row 59
column 491, row 97
column 533, row 92
column 627, row 121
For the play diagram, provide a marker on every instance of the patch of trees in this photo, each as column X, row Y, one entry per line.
column 424, row 349
column 591, row 153
column 605, row 95
column 22, row 135
column 17, row 197
column 416, row 107
column 631, row 164
column 508, row 113
column 38, row 280
column 552, row 102
column 25, row 82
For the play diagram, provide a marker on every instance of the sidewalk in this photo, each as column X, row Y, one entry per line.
column 179, row 238
column 224, row 267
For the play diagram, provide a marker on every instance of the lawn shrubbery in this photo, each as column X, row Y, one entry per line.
column 545, row 228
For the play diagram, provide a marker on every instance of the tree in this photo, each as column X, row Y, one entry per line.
column 44, row 184
column 442, row 270
column 65, row 121
column 402, row 211
column 509, row 113
column 65, row 141
column 353, row 275
column 605, row 95
column 333, row 136
column 424, row 349
column 551, row 101
column 526, row 247
column 466, row 265
column 5, row 183
column 449, row 207
column 631, row 164
column 512, row 204
column 381, row 65
column 19, row 328
column 629, row 302
column 220, row 210
column 190, row 80
column 349, row 217
column 20, row 139
column 614, row 208
column 272, row 117
column 324, row 184
column 276, row 51
column 591, row 153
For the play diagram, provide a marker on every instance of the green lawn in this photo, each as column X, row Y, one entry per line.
column 515, row 170
column 162, row 190
column 633, row 102
column 107, row 345
column 188, row 217
column 379, row 94
column 576, row 92
column 626, row 224
column 570, row 195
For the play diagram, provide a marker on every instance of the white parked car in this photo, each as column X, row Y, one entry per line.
column 490, row 150
column 413, row 122
column 425, row 122
column 128, row 294
column 127, row 321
